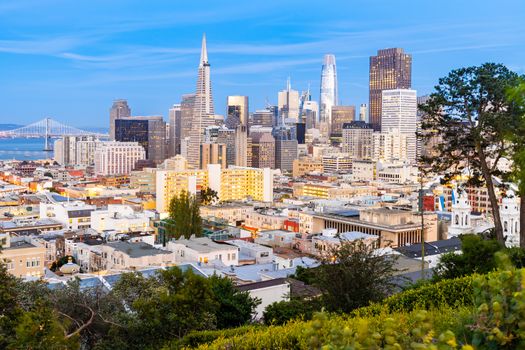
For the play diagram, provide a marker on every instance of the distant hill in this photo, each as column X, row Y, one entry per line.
column 9, row 126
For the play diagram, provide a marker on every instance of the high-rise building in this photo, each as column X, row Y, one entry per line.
column 358, row 140
column 118, row 110
column 263, row 117
column 340, row 116
column 328, row 97
column 227, row 137
column 213, row 153
column 363, row 112
column 288, row 104
column 399, row 108
column 285, row 154
column 148, row 131
column 203, row 111
column 390, row 69
column 237, row 111
column 186, row 115
column 175, row 117
column 232, row 184
column 241, row 146
column 117, row 158
column 390, row 146
column 263, row 150
column 66, row 150
column 310, row 114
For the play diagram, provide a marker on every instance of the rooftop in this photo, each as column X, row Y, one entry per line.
column 136, row 250
column 203, row 244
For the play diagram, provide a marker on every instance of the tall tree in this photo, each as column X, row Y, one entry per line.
column 353, row 275
column 185, row 216
column 235, row 307
column 469, row 111
column 517, row 137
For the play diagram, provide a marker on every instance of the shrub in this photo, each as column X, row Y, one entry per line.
column 446, row 293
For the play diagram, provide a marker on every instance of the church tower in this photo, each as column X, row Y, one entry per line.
column 460, row 220
column 510, row 219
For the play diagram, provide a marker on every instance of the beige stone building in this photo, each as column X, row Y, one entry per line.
column 23, row 257
column 306, row 165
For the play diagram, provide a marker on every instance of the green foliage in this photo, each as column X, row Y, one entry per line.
column 185, row 214
column 196, row 338
column 29, row 322
column 235, row 308
column 470, row 112
column 173, row 304
column 353, row 275
column 41, row 329
column 208, row 196
column 456, row 292
column 477, row 256
column 415, row 330
column 304, row 274
column 283, row 311
column 500, row 308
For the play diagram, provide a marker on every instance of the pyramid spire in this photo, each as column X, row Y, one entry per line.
column 204, row 51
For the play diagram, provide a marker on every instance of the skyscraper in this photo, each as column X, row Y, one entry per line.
column 399, row 109
column 237, row 111
column 390, row 69
column 148, row 131
column 203, row 111
column 241, row 146
column 175, row 116
column 263, row 117
column 328, row 97
column 288, row 104
column 118, row 110
column 363, row 112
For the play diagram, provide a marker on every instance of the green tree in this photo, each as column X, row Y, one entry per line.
column 235, row 308
column 353, row 275
column 171, row 304
column 516, row 136
column 185, row 215
column 477, row 256
column 470, row 112
column 209, row 196
column 280, row 312
column 40, row 329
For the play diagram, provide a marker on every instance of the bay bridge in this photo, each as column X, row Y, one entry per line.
column 47, row 128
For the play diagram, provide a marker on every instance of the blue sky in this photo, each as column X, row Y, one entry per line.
column 69, row 59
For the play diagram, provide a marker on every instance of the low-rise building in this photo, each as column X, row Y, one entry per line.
column 203, row 250
column 252, row 253
column 22, row 256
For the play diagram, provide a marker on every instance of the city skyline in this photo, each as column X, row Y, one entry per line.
column 73, row 68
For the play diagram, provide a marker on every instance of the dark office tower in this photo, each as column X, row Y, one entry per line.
column 285, row 154
column 175, row 116
column 263, row 117
column 237, row 111
column 149, row 132
column 300, row 130
column 390, row 69
column 118, row 110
